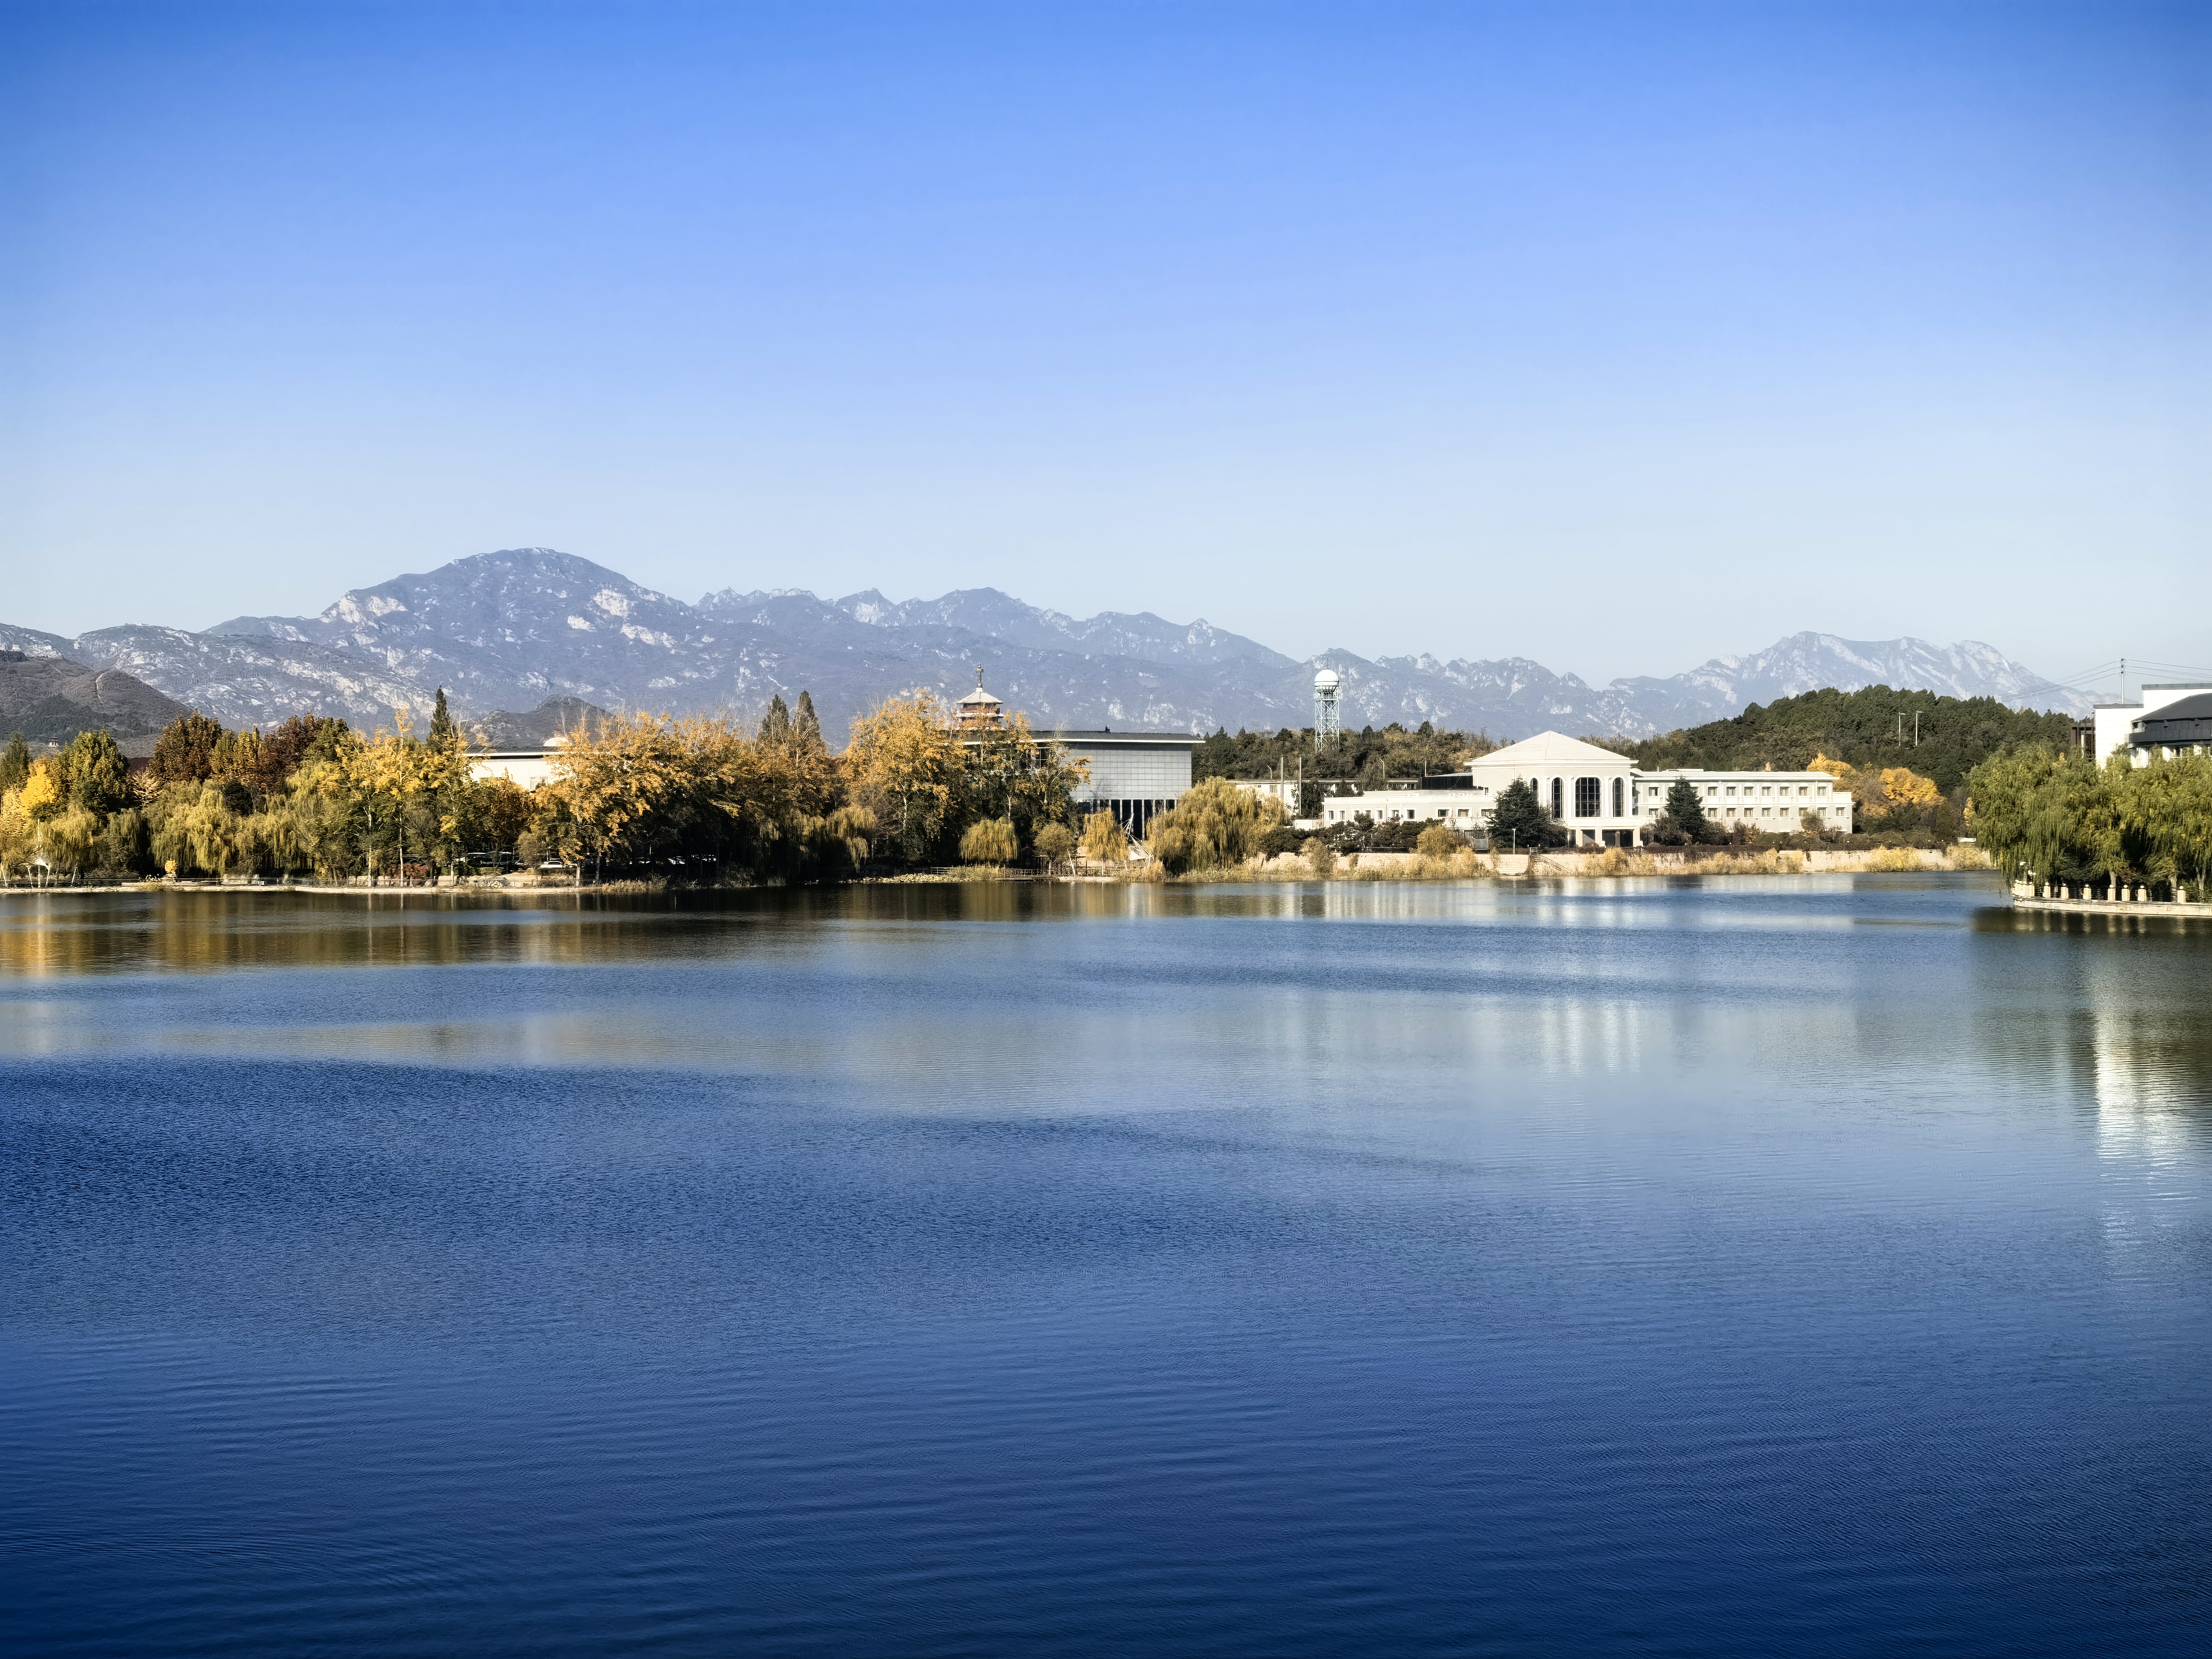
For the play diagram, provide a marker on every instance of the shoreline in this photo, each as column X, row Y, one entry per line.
column 1287, row 867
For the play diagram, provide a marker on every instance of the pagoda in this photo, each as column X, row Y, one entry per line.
column 979, row 709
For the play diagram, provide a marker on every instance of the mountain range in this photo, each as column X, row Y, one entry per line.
column 507, row 630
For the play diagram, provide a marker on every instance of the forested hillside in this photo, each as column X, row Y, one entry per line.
column 1367, row 755
column 1868, row 729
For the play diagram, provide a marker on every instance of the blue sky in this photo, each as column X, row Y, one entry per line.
column 1615, row 336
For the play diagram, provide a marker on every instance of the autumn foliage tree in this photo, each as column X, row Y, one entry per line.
column 903, row 764
column 644, row 789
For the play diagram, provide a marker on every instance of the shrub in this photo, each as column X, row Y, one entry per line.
column 1320, row 855
column 1438, row 841
column 1055, row 843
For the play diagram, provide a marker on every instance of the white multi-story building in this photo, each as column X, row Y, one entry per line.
column 1601, row 797
column 2116, row 722
column 1590, row 789
column 1772, row 803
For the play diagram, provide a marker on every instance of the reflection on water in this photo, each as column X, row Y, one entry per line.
column 1744, row 1267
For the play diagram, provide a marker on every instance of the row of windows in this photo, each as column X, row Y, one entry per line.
column 1346, row 814
column 1719, row 791
column 1731, row 811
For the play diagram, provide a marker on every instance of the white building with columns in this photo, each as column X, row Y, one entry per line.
column 1602, row 798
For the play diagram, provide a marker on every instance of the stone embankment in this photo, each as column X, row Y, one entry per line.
column 2127, row 899
column 1621, row 861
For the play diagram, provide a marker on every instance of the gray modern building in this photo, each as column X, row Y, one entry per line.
column 1134, row 774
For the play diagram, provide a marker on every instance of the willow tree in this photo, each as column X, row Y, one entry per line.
column 1214, row 823
column 2167, row 809
column 990, row 841
column 2056, row 817
column 1103, row 839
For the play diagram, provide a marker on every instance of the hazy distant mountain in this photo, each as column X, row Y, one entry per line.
column 50, row 699
column 507, row 631
column 1806, row 662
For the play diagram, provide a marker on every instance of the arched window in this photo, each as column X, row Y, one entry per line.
column 1558, row 797
column 1586, row 797
column 1619, row 798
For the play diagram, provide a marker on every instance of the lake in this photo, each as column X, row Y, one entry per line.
column 1725, row 1266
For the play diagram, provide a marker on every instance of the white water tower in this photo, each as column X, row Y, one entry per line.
column 1329, row 722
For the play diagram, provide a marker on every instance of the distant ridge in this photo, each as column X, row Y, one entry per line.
column 49, row 698
column 506, row 630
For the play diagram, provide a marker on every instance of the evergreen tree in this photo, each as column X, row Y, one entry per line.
column 15, row 765
column 184, row 752
column 805, row 729
column 776, row 725
column 441, row 722
column 1687, row 809
column 1519, row 821
column 97, row 776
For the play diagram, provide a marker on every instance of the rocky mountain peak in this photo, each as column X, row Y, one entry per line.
column 509, row 629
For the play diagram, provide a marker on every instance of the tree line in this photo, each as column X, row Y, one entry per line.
column 2053, row 815
column 1870, row 730
column 703, row 794
column 1367, row 758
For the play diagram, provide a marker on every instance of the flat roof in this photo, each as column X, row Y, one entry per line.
column 1096, row 738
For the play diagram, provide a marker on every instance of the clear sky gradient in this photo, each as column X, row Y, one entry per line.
column 1616, row 336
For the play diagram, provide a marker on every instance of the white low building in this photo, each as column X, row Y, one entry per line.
column 1601, row 797
column 1284, row 792
column 1454, row 807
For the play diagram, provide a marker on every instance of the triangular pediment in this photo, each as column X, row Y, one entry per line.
column 1552, row 749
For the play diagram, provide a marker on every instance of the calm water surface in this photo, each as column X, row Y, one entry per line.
column 1819, row 1265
